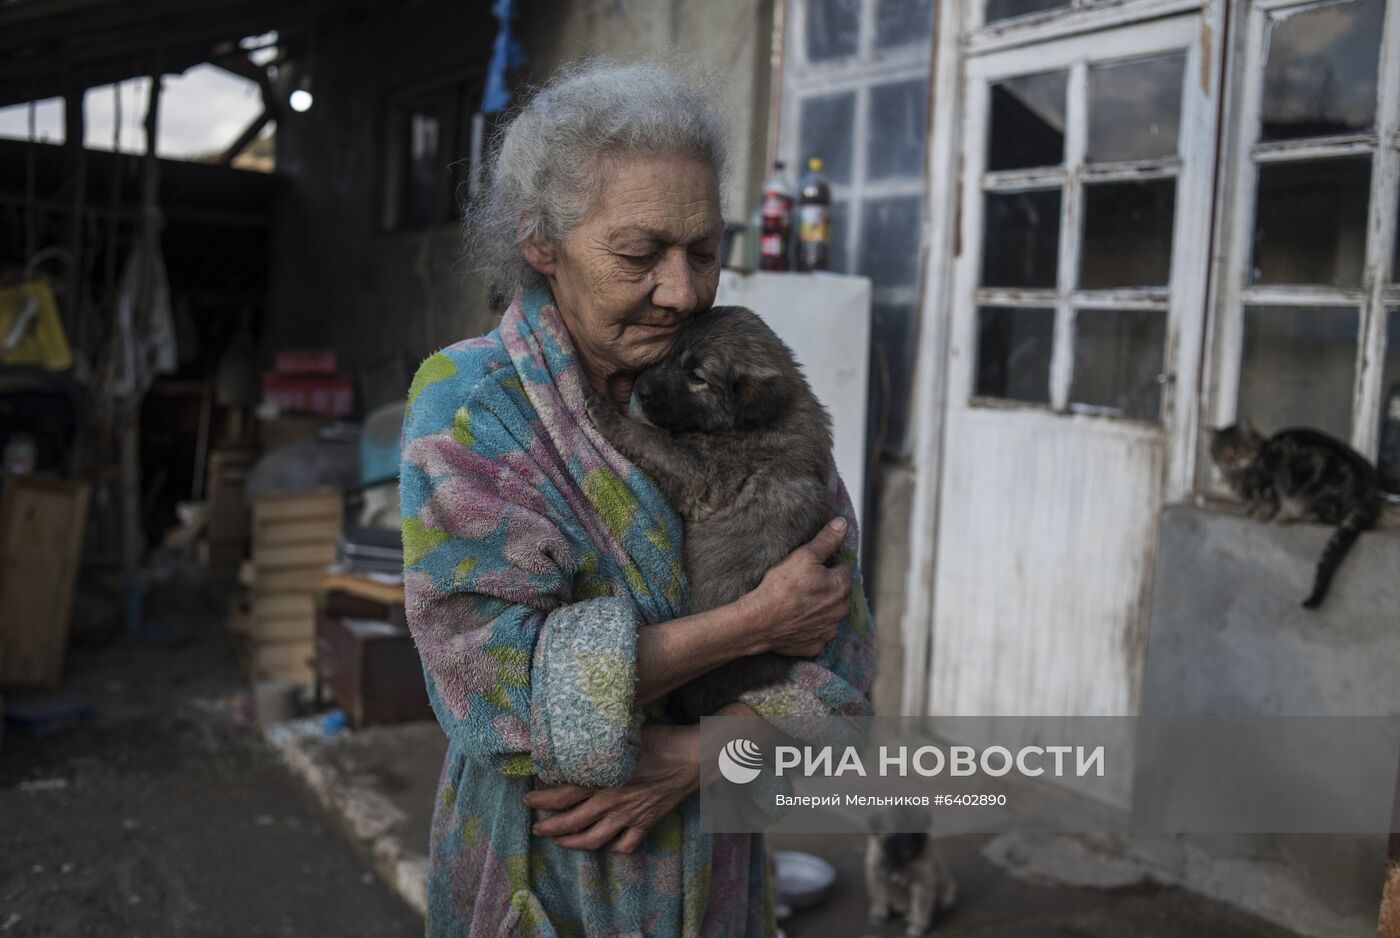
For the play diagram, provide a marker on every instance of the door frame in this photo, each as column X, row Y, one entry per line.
column 953, row 255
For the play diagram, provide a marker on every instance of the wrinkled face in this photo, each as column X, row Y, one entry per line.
column 726, row 371
column 640, row 265
column 1234, row 446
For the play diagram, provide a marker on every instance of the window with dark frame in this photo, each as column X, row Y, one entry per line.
column 436, row 138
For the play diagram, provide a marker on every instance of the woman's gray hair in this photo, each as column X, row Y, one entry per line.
column 546, row 162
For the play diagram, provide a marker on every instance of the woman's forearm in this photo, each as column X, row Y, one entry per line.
column 672, row 653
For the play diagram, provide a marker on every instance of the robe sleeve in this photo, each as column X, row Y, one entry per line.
column 521, row 673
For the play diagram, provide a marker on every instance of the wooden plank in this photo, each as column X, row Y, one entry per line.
column 293, row 555
column 305, row 579
column 282, row 629
column 282, row 605
column 41, row 537
column 301, row 531
column 288, row 506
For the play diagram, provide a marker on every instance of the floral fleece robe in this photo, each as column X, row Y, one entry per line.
column 533, row 552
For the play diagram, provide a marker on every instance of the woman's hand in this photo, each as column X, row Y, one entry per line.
column 801, row 601
column 668, row 770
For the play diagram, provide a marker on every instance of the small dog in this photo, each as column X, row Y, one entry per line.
column 905, row 873
column 741, row 448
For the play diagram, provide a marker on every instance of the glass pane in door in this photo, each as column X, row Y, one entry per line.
column 1135, row 108
column 1298, row 368
column 1127, row 234
column 1013, row 352
column 1320, row 78
column 900, row 22
column 1022, row 238
column 826, row 124
column 898, row 128
column 1310, row 223
column 833, row 28
column 1028, row 122
column 1118, row 362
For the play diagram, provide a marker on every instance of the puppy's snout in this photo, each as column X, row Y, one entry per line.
column 647, row 387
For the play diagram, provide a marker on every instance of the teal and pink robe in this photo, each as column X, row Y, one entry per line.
column 533, row 552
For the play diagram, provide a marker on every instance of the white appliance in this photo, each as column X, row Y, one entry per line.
column 825, row 318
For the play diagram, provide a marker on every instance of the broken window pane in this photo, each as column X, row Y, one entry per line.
column 827, row 123
column 833, row 28
column 889, row 243
column 1021, row 241
column 1135, row 108
column 1028, row 122
column 1127, row 234
column 1388, row 460
column 1013, row 352
column 1310, row 224
column 1320, row 77
column 1118, row 361
column 899, row 22
column 419, row 170
column 898, row 125
column 1006, row 9
column 1298, row 366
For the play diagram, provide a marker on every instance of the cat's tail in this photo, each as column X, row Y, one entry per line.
column 1357, row 520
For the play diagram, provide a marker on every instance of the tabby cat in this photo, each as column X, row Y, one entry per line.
column 1301, row 475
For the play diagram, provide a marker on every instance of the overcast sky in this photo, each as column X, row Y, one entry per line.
column 204, row 109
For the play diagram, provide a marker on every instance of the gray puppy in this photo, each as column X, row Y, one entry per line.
column 741, row 448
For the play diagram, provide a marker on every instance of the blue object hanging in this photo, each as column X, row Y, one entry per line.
column 506, row 54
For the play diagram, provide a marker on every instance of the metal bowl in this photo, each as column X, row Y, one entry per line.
column 803, row 880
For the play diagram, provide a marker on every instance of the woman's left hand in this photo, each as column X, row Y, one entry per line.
column 668, row 770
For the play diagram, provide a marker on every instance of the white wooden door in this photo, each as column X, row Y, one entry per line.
column 1079, row 287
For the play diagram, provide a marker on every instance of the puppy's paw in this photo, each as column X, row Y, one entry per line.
column 877, row 917
column 601, row 411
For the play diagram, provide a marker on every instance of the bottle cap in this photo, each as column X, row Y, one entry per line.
column 814, row 163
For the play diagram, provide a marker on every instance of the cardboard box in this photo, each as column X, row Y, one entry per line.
column 317, row 395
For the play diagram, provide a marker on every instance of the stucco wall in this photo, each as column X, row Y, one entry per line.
column 338, row 278
column 1227, row 636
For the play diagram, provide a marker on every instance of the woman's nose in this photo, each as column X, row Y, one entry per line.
column 675, row 284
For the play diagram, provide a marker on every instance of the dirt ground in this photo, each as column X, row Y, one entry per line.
column 166, row 817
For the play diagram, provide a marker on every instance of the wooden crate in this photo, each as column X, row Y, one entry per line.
column 302, row 579
column 41, row 541
column 287, row 661
column 294, row 539
column 283, row 616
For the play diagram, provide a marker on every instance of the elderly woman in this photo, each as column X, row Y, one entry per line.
column 543, row 571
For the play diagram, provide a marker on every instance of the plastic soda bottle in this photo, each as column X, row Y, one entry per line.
column 776, row 221
column 814, row 219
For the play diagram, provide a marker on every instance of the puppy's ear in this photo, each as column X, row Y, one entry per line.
column 757, row 401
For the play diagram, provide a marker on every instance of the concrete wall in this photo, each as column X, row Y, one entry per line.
column 1227, row 636
column 338, row 278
